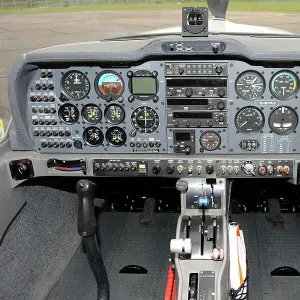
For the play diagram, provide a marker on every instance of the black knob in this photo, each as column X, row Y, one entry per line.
column 56, row 144
column 44, row 86
column 181, row 71
column 46, row 110
column 62, row 145
column 51, row 98
column 221, row 105
column 36, row 133
column 219, row 70
column 61, row 133
column 50, row 144
column 34, row 110
column 209, row 169
column 69, row 144
column 199, row 124
column 50, row 86
column 188, row 150
column 129, row 74
column 156, row 169
column 157, row 144
column 189, row 92
column 210, row 123
column 39, row 98
column 176, row 123
column 54, row 122
column 215, row 48
column 44, row 144
column 221, row 92
column 132, row 144
column 37, row 87
column 47, row 122
column 55, row 133
column 78, row 144
column 170, row 169
column 138, row 144
column 131, row 98
column 42, row 133
column 151, row 144
column 187, row 124
column 170, row 93
column 221, row 119
column 32, row 98
column 43, row 74
column 67, row 133
column 45, row 98
column 41, row 122
column 155, row 99
column 48, row 133
column 50, row 74
column 53, row 110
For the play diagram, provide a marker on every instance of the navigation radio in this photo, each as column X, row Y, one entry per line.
column 196, row 94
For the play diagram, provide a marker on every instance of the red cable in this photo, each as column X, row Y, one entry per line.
column 174, row 289
column 170, row 284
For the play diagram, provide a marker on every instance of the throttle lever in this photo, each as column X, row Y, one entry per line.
column 87, row 223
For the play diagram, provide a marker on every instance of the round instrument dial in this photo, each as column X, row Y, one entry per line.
column 284, row 85
column 145, row 119
column 109, row 85
column 91, row 113
column 283, row 120
column 210, row 140
column 249, row 119
column 75, row 85
column 114, row 114
column 93, row 136
column 116, row 136
column 250, row 85
column 68, row 113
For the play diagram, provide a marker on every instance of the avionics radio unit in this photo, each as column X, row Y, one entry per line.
column 196, row 94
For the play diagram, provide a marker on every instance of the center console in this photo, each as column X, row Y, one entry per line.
column 201, row 244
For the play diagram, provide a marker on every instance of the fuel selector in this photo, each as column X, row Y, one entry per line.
column 249, row 168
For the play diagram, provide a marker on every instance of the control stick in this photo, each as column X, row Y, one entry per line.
column 87, row 226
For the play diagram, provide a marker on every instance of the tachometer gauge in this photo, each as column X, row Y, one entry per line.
column 91, row 113
column 109, row 85
column 68, row 113
column 249, row 119
column 114, row 114
column 145, row 119
column 210, row 140
column 250, row 85
column 284, row 85
column 93, row 136
column 116, row 136
column 283, row 120
column 75, row 85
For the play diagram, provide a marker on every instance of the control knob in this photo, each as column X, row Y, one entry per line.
column 249, row 168
column 170, row 169
column 156, row 169
column 189, row 92
column 221, row 92
column 219, row 70
column 209, row 169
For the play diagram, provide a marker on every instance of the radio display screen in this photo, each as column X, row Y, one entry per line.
column 197, row 82
column 143, row 85
column 182, row 136
column 187, row 101
column 192, row 115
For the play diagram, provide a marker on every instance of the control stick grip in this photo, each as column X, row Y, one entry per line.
column 86, row 213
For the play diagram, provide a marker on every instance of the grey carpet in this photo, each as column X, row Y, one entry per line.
column 270, row 247
column 39, row 244
column 124, row 241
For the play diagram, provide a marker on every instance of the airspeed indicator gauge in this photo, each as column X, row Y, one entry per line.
column 249, row 120
column 284, row 85
column 75, row 85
